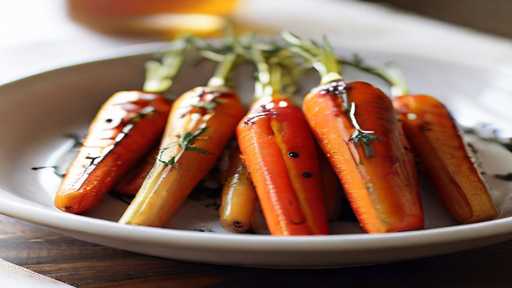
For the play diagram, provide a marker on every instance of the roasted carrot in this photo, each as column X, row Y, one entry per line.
column 333, row 196
column 200, row 124
column 123, row 131
column 238, row 196
column 441, row 150
column 445, row 157
column 132, row 181
column 279, row 151
column 356, row 126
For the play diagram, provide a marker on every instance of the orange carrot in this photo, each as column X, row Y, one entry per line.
column 333, row 195
column 126, row 127
column 439, row 146
column 238, row 196
column 445, row 157
column 200, row 124
column 131, row 183
column 280, row 154
column 356, row 127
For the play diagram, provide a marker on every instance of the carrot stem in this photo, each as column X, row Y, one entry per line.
column 322, row 58
column 220, row 77
column 159, row 75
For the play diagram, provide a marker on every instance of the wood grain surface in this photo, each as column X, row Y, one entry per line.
column 88, row 265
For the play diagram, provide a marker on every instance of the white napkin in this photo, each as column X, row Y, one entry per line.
column 15, row 276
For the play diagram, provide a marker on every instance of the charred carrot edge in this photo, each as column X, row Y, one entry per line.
column 124, row 129
column 238, row 203
column 200, row 124
column 132, row 181
column 357, row 129
column 445, row 157
column 333, row 194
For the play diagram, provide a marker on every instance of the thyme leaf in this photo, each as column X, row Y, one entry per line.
column 209, row 106
column 185, row 143
column 360, row 136
column 145, row 112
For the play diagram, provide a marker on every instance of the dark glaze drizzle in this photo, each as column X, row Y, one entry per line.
column 264, row 110
column 58, row 170
column 126, row 112
column 293, row 154
column 55, row 168
column 488, row 133
column 504, row 177
column 251, row 119
column 122, row 198
column 307, row 174
column 338, row 88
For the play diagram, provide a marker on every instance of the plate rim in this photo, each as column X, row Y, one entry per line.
column 169, row 236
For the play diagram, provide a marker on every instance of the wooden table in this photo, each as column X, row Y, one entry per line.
column 88, row 265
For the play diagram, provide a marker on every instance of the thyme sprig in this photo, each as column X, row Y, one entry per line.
column 185, row 143
column 360, row 136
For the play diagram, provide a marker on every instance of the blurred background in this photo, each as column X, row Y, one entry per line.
column 492, row 16
column 46, row 33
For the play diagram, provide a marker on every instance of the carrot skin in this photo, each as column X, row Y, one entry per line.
column 383, row 189
column 443, row 154
column 124, row 129
column 239, row 200
column 285, row 172
column 333, row 194
column 168, row 185
column 131, row 183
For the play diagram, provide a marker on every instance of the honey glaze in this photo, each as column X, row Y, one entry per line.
column 268, row 108
column 113, row 123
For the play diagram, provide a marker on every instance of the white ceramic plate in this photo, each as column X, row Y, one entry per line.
column 37, row 111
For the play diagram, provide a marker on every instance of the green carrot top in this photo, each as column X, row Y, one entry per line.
column 276, row 71
column 160, row 74
column 322, row 57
